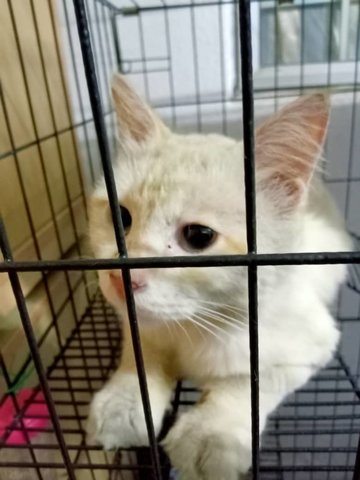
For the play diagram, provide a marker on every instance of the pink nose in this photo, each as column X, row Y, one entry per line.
column 136, row 285
column 116, row 280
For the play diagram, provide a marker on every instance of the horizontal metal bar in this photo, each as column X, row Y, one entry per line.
column 54, row 446
column 266, row 450
column 280, row 449
column 77, row 466
column 137, row 9
column 122, row 467
column 314, row 418
column 316, row 403
column 261, row 259
column 313, row 431
column 282, row 418
column 78, row 378
column 306, row 468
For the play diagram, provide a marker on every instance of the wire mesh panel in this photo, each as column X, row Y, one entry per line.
column 206, row 66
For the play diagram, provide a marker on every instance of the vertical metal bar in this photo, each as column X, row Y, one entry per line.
column 106, row 20
column 348, row 189
column 250, row 193
column 144, row 63
column 222, row 68
column 329, row 75
column 171, row 73
column 19, row 416
column 276, row 55
column 354, row 111
column 59, row 149
column 53, row 313
column 65, row 180
column 248, row 128
column 105, row 69
column 196, row 68
column 277, row 427
column 31, row 339
column 353, row 409
column 77, row 84
column 43, row 168
column 116, row 41
column 297, row 394
column 96, row 106
column 302, row 45
column 356, row 474
column 54, row 126
column 344, row 29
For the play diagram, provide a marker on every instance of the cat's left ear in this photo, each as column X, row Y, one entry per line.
column 138, row 125
column 288, row 146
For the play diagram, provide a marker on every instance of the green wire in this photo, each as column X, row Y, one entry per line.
column 21, row 381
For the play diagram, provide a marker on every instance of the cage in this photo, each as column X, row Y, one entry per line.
column 207, row 66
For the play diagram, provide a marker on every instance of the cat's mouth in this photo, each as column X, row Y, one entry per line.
column 118, row 285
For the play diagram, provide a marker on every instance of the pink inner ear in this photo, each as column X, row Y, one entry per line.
column 289, row 143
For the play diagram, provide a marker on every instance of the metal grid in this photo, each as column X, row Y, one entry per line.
column 323, row 442
column 89, row 357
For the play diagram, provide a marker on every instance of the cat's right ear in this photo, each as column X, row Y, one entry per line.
column 139, row 127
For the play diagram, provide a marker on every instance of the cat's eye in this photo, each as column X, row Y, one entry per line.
column 197, row 237
column 126, row 218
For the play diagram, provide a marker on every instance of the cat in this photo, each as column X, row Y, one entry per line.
column 184, row 195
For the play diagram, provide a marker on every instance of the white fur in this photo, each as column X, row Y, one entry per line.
column 199, row 179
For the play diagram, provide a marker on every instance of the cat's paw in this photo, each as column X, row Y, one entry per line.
column 200, row 452
column 116, row 416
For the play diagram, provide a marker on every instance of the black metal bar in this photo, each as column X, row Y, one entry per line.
column 136, row 10
column 171, row 73
column 250, row 201
column 116, row 42
column 96, row 106
column 248, row 122
column 76, row 466
column 54, row 314
column 260, row 259
column 356, row 474
column 31, row 339
column 195, row 67
column 224, row 120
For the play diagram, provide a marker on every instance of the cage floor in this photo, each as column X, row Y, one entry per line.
column 313, row 435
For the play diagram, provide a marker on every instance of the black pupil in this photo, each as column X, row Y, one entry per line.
column 126, row 218
column 198, row 237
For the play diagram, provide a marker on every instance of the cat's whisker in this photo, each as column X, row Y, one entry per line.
column 235, row 317
column 216, row 327
column 224, row 306
column 164, row 322
column 189, row 319
column 178, row 323
column 195, row 322
column 227, row 321
column 171, row 327
column 220, row 304
column 239, row 320
column 230, row 323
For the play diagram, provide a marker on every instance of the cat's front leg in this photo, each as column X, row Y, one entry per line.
column 116, row 416
column 212, row 441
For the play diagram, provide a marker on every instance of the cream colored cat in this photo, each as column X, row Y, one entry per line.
column 185, row 195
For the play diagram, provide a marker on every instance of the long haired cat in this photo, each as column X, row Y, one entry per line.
column 184, row 194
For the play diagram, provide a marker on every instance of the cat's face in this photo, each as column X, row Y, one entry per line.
column 184, row 195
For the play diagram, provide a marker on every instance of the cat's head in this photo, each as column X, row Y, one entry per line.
column 184, row 195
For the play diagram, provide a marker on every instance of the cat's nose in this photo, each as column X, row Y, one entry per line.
column 137, row 283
